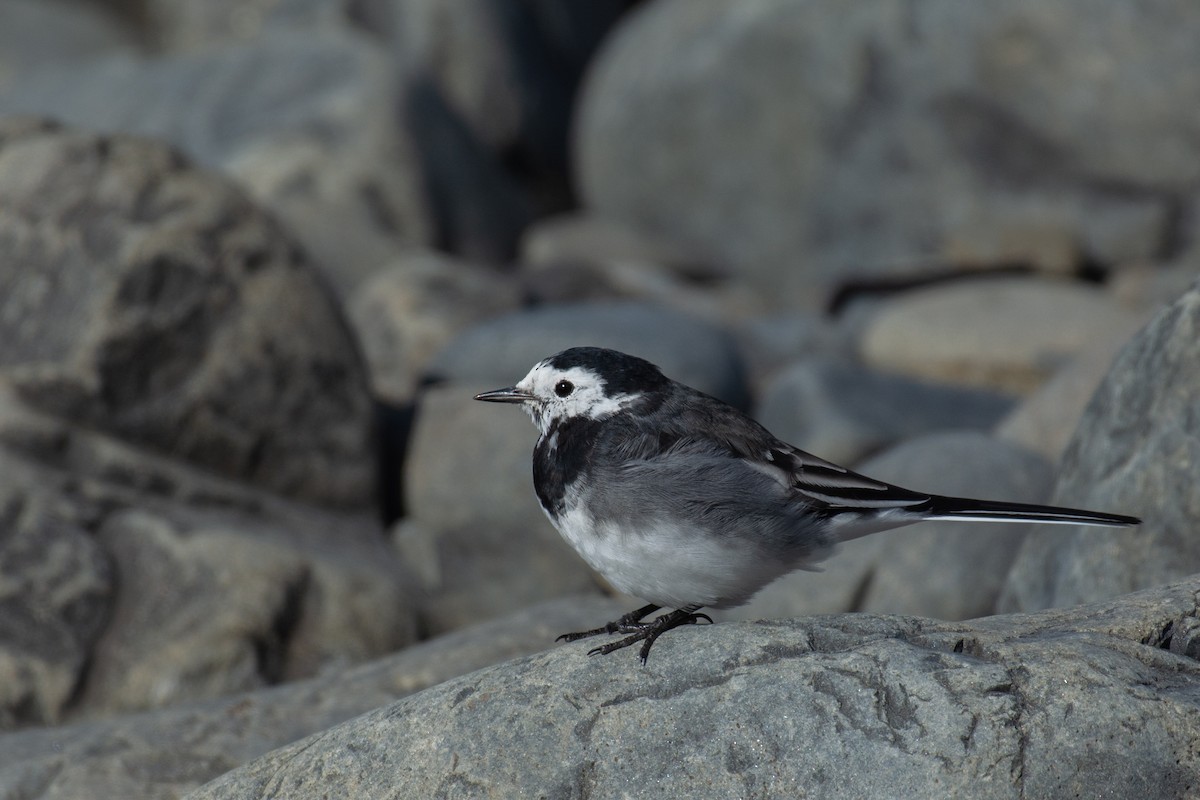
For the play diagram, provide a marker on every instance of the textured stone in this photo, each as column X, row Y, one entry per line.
column 1045, row 420
column 409, row 309
column 152, row 300
column 146, row 581
column 580, row 258
column 356, row 155
column 1047, row 705
column 56, row 587
column 37, row 34
column 510, row 68
column 1133, row 452
column 161, row 755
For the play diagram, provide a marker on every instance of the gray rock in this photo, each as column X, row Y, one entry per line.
column 357, row 157
column 488, row 549
column 153, row 300
column 178, row 26
column 35, row 34
column 1133, row 452
column 771, row 342
column 1009, row 333
column 1045, row 420
column 141, row 580
column 164, row 754
column 582, row 238
column 876, row 141
column 411, row 308
column 852, row 706
column 686, row 349
column 580, row 258
column 844, row 412
column 949, row 570
column 242, row 607
column 56, row 584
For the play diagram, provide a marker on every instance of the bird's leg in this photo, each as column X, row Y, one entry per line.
column 627, row 624
column 648, row 632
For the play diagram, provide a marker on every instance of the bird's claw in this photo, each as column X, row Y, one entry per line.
column 645, row 632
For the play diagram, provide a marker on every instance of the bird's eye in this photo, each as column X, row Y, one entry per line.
column 563, row 388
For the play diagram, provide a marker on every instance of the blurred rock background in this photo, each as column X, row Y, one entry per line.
column 256, row 258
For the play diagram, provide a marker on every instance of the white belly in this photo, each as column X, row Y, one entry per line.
column 670, row 565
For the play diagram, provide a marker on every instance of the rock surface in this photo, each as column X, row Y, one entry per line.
column 184, row 441
column 163, row 754
column 158, row 583
column 1045, row 421
column 1135, row 449
column 151, row 299
column 873, row 144
column 409, row 309
column 1045, row 705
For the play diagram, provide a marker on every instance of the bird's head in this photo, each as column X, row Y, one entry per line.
column 589, row 382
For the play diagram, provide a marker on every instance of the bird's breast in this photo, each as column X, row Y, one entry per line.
column 559, row 461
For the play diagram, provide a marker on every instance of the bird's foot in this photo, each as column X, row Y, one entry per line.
column 646, row 632
column 627, row 624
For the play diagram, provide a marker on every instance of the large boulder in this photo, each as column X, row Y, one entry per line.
column 186, row 476
column 153, row 300
column 1056, row 704
column 1133, row 452
column 160, row 755
column 800, row 141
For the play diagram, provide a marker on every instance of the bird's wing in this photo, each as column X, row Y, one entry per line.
column 822, row 483
column 838, row 488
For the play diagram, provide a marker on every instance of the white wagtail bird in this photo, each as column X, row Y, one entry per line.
column 680, row 499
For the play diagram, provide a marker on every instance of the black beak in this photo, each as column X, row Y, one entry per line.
column 510, row 395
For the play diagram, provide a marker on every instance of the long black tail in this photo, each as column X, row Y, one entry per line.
column 991, row 511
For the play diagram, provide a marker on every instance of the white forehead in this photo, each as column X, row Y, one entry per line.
column 588, row 399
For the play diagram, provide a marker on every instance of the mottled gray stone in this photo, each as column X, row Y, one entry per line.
column 1045, row 705
column 408, row 310
column 1045, row 421
column 163, row 754
column 358, row 156
column 153, row 300
column 155, row 582
column 1135, row 452
column 56, row 587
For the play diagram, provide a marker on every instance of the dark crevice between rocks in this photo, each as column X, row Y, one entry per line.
column 394, row 424
column 271, row 649
column 1179, row 636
